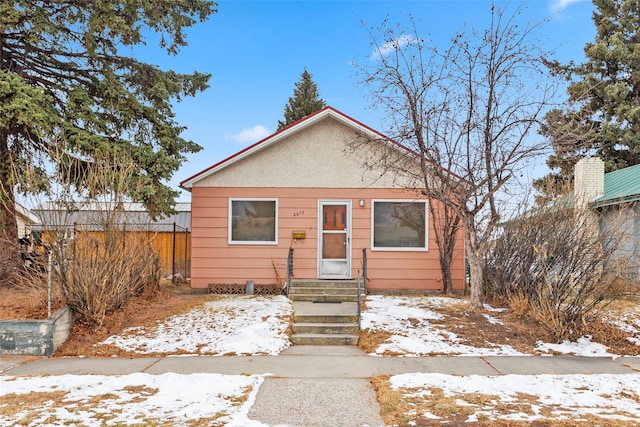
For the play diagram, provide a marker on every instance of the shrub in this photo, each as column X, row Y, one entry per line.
column 99, row 271
column 561, row 262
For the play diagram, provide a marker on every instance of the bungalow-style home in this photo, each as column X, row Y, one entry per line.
column 614, row 197
column 169, row 236
column 304, row 197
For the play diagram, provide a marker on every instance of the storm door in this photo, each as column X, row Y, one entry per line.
column 334, row 247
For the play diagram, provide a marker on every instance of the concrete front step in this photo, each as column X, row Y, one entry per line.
column 325, row 283
column 324, row 339
column 325, row 318
column 320, row 290
column 325, row 328
column 324, row 290
column 323, row 297
column 325, row 323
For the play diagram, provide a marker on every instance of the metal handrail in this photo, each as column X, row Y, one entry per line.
column 359, row 302
column 289, row 271
column 364, row 268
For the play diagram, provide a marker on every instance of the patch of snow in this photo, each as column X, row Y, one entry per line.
column 494, row 309
column 413, row 324
column 629, row 322
column 170, row 398
column 240, row 325
column 582, row 347
column 408, row 318
column 492, row 320
column 565, row 396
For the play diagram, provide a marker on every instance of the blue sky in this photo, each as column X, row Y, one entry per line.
column 256, row 51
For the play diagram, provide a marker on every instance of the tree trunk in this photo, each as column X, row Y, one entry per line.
column 476, row 271
column 445, row 224
column 476, row 278
column 9, row 249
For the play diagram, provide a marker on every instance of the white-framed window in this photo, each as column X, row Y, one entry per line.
column 253, row 221
column 399, row 225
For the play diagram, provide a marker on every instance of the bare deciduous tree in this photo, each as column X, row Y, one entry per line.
column 468, row 113
column 446, row 225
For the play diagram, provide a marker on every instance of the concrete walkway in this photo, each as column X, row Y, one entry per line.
column 321, row 362
column 315, row 385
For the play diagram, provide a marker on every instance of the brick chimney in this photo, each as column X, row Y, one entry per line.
column 588, row 180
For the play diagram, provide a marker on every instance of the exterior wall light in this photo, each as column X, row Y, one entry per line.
column 361, row 202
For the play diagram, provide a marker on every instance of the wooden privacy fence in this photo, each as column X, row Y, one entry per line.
column 170, row 241
column 174, row 249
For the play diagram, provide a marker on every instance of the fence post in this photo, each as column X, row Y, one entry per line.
column 187, row 254
column 173, row 256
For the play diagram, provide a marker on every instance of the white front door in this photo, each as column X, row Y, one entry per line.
column 334, row 240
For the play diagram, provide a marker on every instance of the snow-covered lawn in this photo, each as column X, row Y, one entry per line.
column 413, row 332
column 231, row 325
column 241, row 325
column 524, row 398
column 140, row 399
column 408, row 319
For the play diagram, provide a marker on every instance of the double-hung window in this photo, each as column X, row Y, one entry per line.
column 253, row 221
column 399, row 225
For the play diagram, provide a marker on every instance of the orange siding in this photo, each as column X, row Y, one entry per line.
column 215, row 261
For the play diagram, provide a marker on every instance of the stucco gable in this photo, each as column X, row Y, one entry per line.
column 319, row 152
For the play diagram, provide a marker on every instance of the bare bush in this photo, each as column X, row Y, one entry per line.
column 100, row 270
column 561, row 262
column 100, row 264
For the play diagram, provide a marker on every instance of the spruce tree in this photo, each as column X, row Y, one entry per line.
column 305, row 100
column 603, row 110
column 68, row 91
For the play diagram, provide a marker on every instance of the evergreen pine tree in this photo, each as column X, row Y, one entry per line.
column 68, row 91
column 305, row 100
column 603, row 114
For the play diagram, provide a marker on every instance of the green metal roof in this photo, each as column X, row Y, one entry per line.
column 620, row 186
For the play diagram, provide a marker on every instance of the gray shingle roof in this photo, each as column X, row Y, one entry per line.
column 91, row 215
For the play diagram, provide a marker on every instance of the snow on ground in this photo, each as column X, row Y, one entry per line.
column 140, row 399
column 408, row 319
column 568, row 397
column 629, row 322
column 257, row 325
column 240, row 325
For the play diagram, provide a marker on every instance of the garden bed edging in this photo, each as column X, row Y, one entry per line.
column 36, row 337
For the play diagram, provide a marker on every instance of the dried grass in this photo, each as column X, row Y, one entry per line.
column 519, row 305
column 393, row 407
column 34, row 404
column 370, row 340
column 405, row 407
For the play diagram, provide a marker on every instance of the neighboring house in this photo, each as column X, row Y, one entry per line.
column 614, row 197
column 307, row 188
column 170, row 236
column 25, row 219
